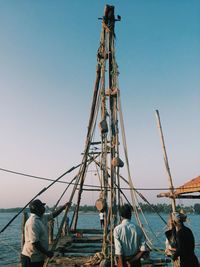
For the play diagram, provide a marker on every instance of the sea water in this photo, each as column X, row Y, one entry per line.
column 10, row 239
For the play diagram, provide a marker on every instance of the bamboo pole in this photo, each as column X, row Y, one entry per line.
column 83, row 168
column 171, row 187
column 176, row 263
column 50, row 230
column 104, row 141
column 59, row 232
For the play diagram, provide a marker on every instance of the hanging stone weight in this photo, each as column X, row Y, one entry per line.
column 112, row 92
column 108, row 92
column 103, row 126
column 100, row 204
column 117, row 162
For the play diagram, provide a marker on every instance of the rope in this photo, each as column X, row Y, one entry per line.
column 96, row 186
column 41, row 192
column 137, row 215
column 143, row 198
column 64, row 192
column 91, row 126
column 133, row 194
column 29, row 175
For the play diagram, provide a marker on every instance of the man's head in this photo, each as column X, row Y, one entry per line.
column 37, row 207
column 125, row 211
column 179, row 218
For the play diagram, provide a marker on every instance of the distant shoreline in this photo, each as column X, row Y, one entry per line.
column 159, row 208
column 7, row 210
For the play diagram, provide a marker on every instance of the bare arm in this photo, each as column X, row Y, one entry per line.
column 138, row 255
column 59, row 210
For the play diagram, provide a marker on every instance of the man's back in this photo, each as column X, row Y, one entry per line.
column 129, row 238
column 36, row 230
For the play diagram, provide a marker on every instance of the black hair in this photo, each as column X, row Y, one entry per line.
column 36, row 206
column 125, row 211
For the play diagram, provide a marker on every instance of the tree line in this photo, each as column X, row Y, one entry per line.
column 160, row 208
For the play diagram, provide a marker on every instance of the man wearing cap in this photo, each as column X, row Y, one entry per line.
column 35, row 248
column 129, row 240
column 185, row 242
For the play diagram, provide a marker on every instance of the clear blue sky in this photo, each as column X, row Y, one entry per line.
column 47, row 69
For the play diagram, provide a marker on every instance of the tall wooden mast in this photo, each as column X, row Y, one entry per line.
column 105, row 97
column 109, row 122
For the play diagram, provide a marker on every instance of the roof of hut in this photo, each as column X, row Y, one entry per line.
column 191, row 186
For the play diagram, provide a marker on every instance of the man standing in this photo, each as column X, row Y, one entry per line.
column 35, row 248
column 129, row 240
column 101, row 217
column 185, row 242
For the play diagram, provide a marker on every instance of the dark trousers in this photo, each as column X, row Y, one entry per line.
column 26, row 262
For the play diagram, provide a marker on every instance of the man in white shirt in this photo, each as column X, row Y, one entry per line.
column 35, row 248
column 129, row 240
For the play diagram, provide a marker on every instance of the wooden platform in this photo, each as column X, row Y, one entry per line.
column 80, row 248
column 83, row 248
column 81, row 261
column 80, row 243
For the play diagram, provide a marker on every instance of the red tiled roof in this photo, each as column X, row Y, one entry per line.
column 191, row 186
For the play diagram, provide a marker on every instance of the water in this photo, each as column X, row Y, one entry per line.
column 10, row 239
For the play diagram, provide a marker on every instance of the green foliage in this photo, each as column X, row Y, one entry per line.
column 160, row 208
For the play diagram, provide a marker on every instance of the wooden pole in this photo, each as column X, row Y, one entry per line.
column 50, row 228
column 113, row 129
column 59, row 233
column 171, row 187
column 176, row 263
column 104, row 148
column 83, row 168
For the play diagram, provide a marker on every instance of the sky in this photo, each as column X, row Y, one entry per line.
column 47, row 69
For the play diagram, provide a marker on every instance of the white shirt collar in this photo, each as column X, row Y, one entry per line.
column 124, row 221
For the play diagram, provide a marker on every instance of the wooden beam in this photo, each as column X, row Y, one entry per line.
column 188, row 196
